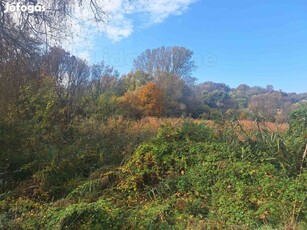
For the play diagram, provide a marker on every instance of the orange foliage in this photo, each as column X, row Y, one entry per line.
column 151, row 99
column 147, row 101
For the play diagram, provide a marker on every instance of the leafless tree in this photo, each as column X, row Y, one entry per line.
column 171, row 60
column 22, row 28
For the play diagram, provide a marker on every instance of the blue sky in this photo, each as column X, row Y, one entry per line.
column 234, row 42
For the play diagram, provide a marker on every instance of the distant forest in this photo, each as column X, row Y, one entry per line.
column 161, row 84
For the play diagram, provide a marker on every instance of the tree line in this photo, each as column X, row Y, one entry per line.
column 160, row 84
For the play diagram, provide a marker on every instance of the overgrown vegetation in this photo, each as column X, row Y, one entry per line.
column 84, row 148
column 186, row 176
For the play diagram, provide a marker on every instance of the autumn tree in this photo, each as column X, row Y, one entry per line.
column 151, row 99
column 23, row 34
column 146, row 101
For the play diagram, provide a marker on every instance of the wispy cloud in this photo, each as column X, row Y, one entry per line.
column 159, row 10
column 122, row 17
column 121, row 12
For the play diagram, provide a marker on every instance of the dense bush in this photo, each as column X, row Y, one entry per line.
column 187, row 177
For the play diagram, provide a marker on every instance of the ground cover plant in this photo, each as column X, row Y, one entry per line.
column 184, row 176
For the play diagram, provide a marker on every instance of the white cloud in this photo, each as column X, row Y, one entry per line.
column 118, row 32
column 122, row 16
column 159, row 10
column 151, row 11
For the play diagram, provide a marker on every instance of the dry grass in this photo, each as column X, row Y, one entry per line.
column 154, row 124
column 130, row 133
column 250, row 126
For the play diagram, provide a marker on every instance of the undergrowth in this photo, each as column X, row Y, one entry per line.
column 188, row 176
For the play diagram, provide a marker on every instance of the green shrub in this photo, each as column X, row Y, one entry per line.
column 98, row 215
